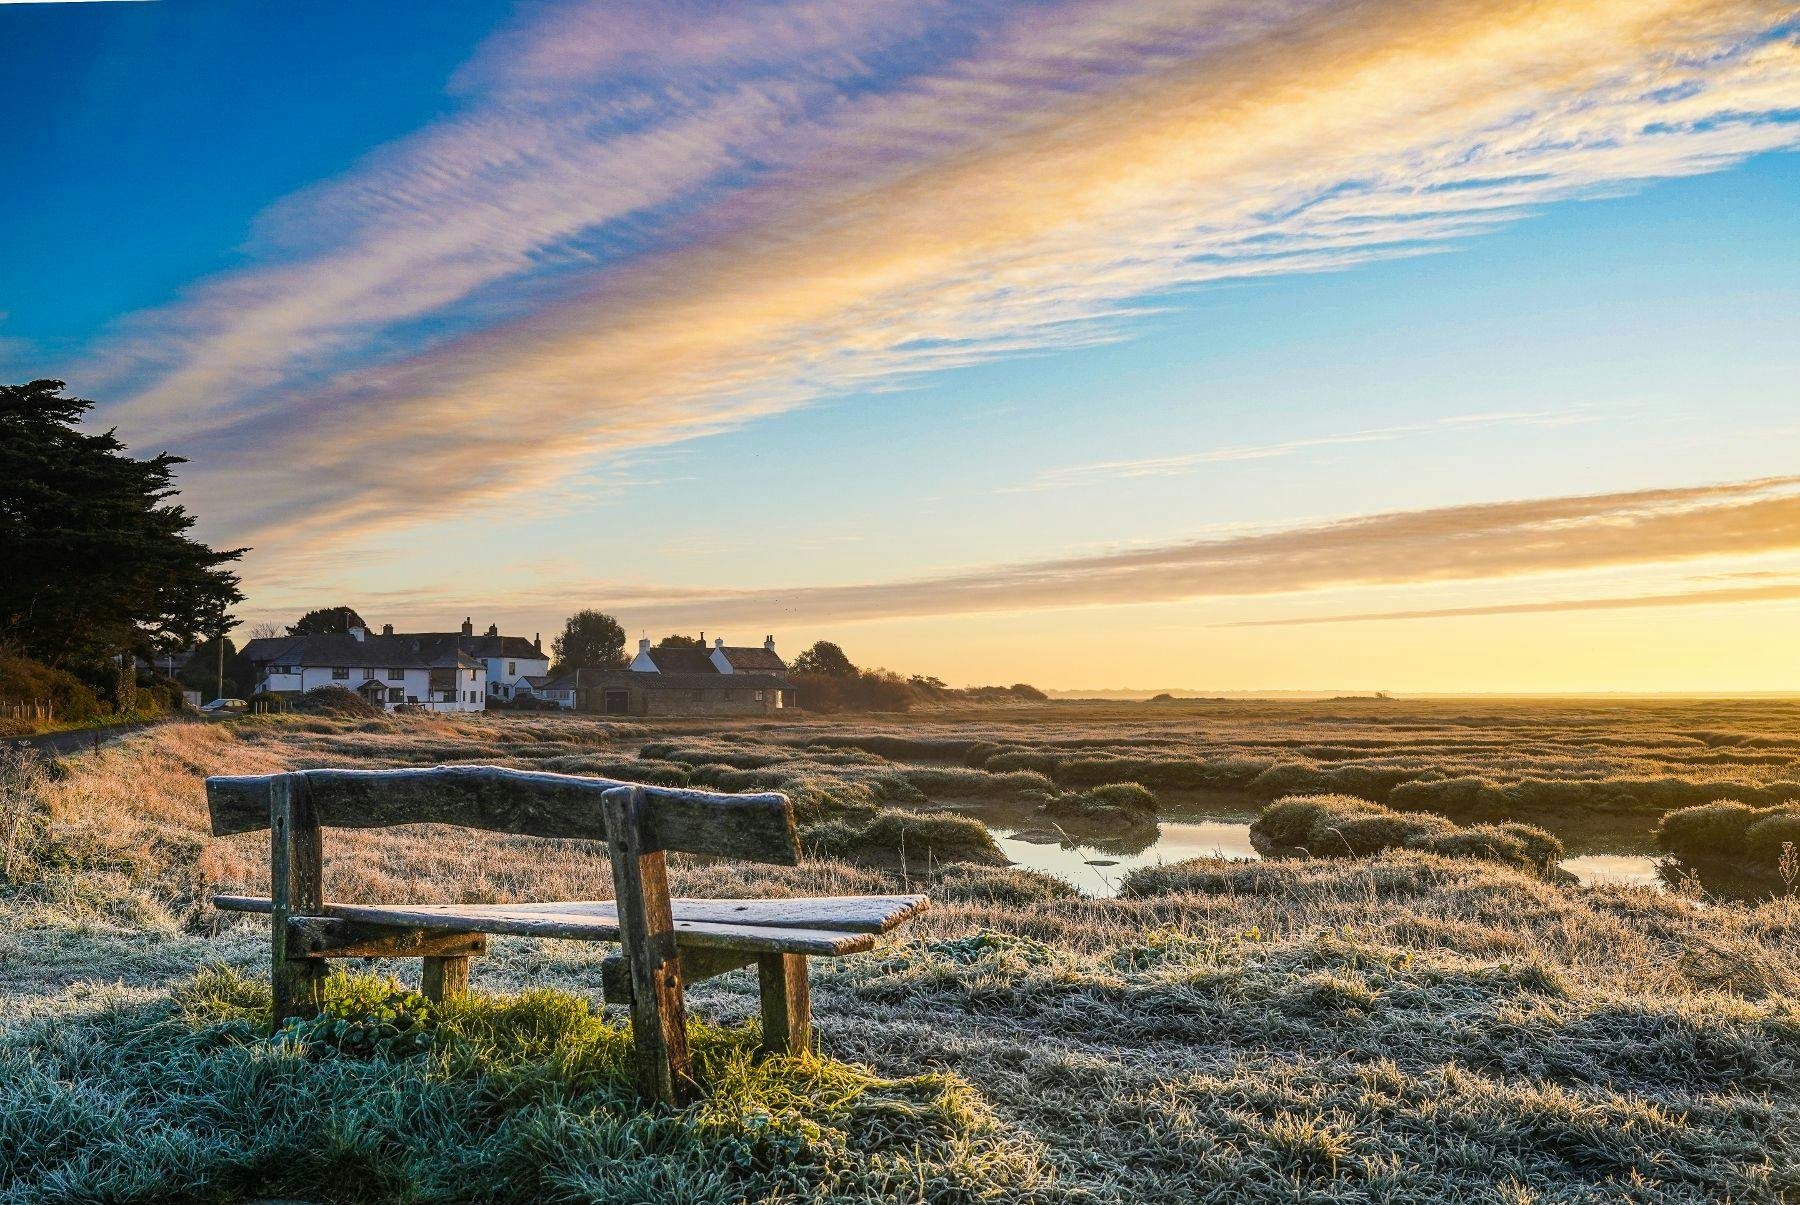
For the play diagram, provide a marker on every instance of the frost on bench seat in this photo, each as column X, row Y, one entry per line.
column 821, row 926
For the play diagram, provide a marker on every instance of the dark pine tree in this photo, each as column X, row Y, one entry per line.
column 96, row 558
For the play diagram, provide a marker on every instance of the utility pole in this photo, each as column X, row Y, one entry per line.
column 221, row 693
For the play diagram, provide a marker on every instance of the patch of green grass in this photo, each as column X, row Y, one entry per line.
column 506, row 1098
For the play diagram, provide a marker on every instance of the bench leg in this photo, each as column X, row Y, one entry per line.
column 786, row 1003
column 296, row 886
column 647, row 932
column 445, row 977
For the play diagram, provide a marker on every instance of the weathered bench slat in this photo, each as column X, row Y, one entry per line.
column 842, row 914
column 533, row 803
column 526, row 921
column 329, row 937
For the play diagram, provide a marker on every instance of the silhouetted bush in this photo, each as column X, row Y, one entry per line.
column 335, row 700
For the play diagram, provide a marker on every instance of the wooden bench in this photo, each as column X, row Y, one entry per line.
column 666, row 943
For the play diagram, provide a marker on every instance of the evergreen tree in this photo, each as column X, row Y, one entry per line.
column 97, row 559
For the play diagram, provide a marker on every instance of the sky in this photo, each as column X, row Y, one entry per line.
column 1414, row 345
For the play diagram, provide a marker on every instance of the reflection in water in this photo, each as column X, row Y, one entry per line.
column 1632, row 870
column 1177, row 842
column 1097, row 865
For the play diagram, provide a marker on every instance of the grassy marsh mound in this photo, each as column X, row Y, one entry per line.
column 1763, row 841
column 1340, row 826
column 1118, row 804
column 896, row 838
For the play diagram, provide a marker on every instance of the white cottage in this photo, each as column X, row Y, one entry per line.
column 510, row 660
column 387, row 670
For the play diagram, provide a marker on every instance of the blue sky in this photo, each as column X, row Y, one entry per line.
column 916, row 326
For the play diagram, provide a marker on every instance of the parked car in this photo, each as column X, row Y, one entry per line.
column 225, row 706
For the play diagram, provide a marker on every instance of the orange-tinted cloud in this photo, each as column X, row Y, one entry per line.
column 1682, row 598
column 1017, row 191
column 1480, row 542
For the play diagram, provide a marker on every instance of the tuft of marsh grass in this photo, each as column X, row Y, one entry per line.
column 915, row 841
column 1341, row 826
column 1760, row 841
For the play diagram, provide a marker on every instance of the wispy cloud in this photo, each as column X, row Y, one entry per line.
column 1186, row 462
column 1478, row 542
column 618, row 256
column 1682, row 598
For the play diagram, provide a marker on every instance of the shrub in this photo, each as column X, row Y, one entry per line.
column 335, row 701
column 23, row 680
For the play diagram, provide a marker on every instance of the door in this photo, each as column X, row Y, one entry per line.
column 617, row 702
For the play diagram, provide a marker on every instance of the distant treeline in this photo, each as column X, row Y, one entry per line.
column 826, row 680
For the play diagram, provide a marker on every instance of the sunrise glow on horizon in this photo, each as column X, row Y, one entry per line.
column 1420, row 346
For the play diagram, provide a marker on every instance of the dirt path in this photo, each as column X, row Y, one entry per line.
column 79, row 739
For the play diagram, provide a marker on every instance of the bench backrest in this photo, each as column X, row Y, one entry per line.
column 754, row 828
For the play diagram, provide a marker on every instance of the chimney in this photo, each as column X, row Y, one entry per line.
column 468, row 626
column 537, row 641
column 703, row 640
column 643, row 645
column 769, row 644
column 387, row 629
column 493, row 629
column 718, row 642
column 357, row 633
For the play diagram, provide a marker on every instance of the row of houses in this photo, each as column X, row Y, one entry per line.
column 460, row 671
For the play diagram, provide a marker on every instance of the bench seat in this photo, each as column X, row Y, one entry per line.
column 819, row 926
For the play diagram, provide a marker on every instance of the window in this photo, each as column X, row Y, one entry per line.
column 729, row 695
column 281, row 669
column 396, row 675
column 396, row 695
column 472, row 675
column 512, row 667
column 759, row 695
column 696, row 696
column 368, row 675
column 340, row 672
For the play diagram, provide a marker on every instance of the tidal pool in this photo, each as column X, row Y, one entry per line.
column 1601, row 850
